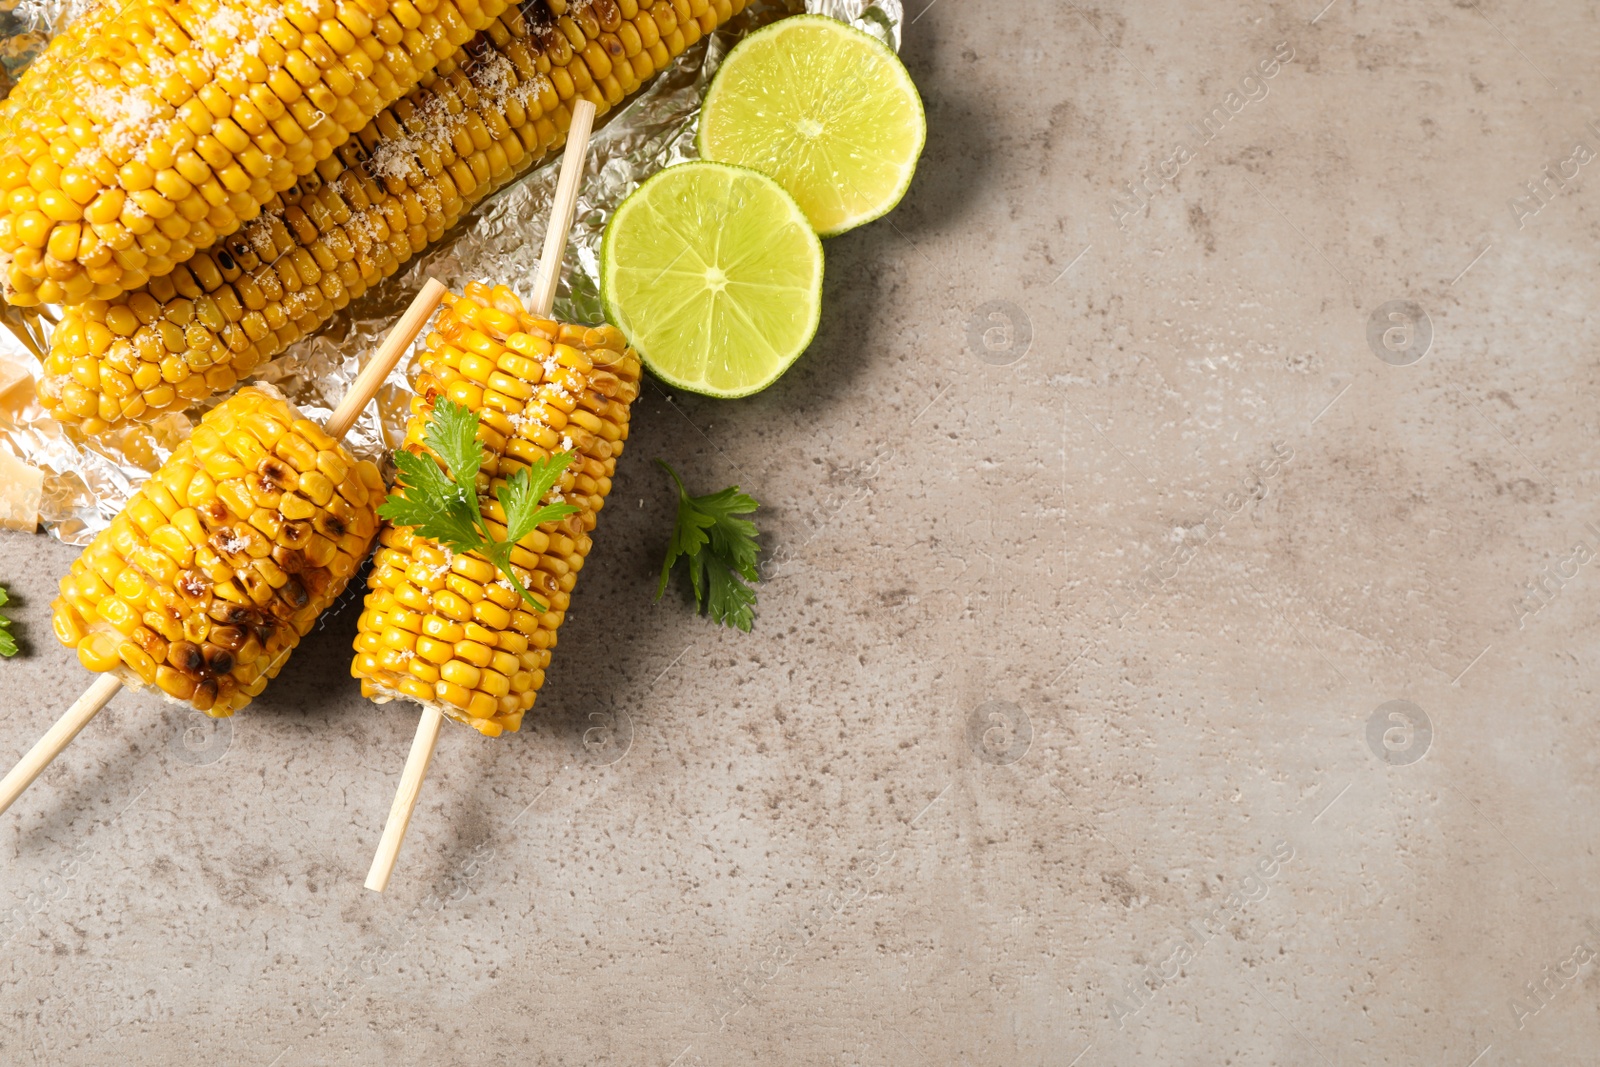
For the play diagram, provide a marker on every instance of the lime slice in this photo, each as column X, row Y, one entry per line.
column 827, row 110
column 715, row 276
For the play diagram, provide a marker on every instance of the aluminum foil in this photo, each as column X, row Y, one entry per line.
column 87, row 484
column 26, row 27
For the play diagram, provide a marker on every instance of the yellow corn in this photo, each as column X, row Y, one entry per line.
column 448, row 630
column 146, row 133
column 380, row 199
column 210, row 576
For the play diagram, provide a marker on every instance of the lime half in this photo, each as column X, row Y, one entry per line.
column 714, row 275
column 827, row 110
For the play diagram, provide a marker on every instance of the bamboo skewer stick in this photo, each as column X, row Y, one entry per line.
column 98, row 695
column 563, row 209
column 549, row 276
column 57, row 738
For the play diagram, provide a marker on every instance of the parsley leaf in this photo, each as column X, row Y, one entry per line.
column 452, row 433
column 435, row 505
column 8, row 642
column 712, row 522
column 444, row 506
column 525, row 489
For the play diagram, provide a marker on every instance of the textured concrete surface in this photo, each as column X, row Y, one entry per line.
column 1105, row 530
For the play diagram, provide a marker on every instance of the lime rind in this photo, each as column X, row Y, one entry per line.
column 732, row 337
column 750, row 118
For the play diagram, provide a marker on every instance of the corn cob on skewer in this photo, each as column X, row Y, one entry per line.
column 474, row 127
column 447, row 630
column 223, row 560
column 148, row 133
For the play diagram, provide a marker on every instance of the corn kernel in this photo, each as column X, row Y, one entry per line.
column 473, row 652
column 437, row 652
column 262, row 119
column 482, row 706
column 98, row 652
column 453, row 694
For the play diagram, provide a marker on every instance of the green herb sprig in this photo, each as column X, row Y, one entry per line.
column 443, row 504
column 8, row 642
column 719, row 548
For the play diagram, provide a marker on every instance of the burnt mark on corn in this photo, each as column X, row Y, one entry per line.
column 218, row 661
column 296, row 533
column 263, row 492
column 148, row 640
column 231, row 614
column 208, row 665
column 230, row 546
column 261, row 238
column 273, row 473
column 538, row 16
column 316, row 580
column 289, row 560
column 239, row 247
column 231, row 638
column 281, row 610
column 214, row 513
column 187, row 657
column 193, row 586
column 254, row 584
column 363, row 158
column 329, row 525
column 294, row 594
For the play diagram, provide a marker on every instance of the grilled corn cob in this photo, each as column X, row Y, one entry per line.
column 222, row 561
column 380, row 199
column 147, row 133
column 447, row 630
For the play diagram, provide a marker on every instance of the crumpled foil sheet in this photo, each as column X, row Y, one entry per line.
column 87, row 484
column 25, row 28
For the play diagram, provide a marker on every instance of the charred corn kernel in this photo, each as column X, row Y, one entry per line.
column 362, row 213
column 200, row 589
column 479, row 648
column 119, row 100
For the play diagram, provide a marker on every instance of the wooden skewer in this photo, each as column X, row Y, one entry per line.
column 57, row 738
column 372, row 376
column 365, row 387
column 563, row 210
column 544, row 295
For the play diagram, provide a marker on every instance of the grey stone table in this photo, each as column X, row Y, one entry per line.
column 1178, row 643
